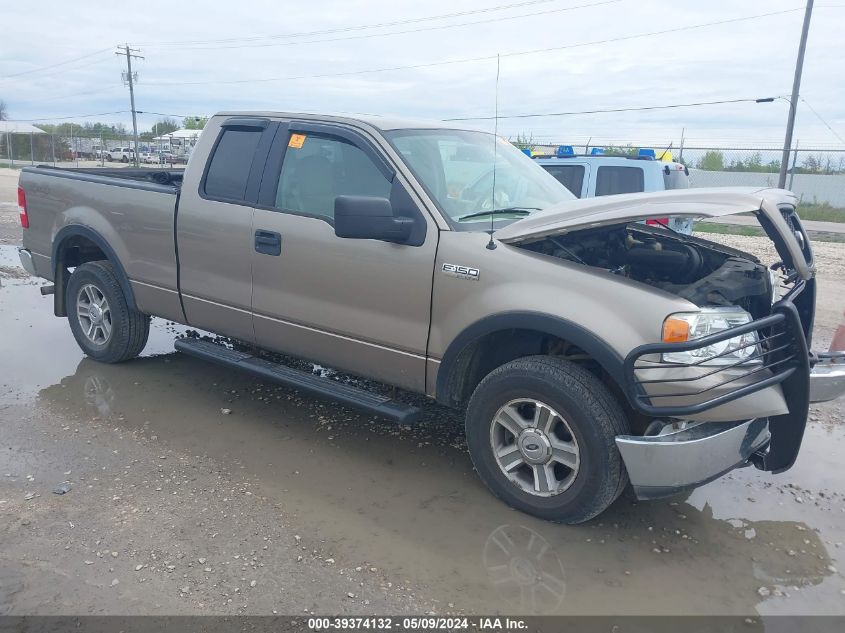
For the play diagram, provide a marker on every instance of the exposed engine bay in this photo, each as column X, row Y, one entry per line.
column 703, row 272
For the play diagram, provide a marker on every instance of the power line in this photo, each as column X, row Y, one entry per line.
column 67, row 61
column 638, row 109
column 480, row 58
column 74, row 116
column 405, row 32
column 819, row 116
column 361, row 27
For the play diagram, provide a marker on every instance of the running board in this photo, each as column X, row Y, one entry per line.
column 298, row 379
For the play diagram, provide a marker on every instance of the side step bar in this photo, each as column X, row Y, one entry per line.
column 298, row 379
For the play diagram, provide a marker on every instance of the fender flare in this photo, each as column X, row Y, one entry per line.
column 80, row 230
column 588, row 341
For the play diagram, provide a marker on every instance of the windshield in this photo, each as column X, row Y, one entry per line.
column 456, row 168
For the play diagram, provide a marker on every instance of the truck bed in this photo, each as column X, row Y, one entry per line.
column 167, row 177
column 127, row 214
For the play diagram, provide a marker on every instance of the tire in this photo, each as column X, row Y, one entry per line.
column 111, row 332
column 108, row 157
column 124, row 159
column 583, row 417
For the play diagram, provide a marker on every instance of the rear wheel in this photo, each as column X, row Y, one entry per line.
column 124, row 159
column 541, row 433
column 103, row 324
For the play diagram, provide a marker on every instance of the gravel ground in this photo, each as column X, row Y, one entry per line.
column 171, row 533
column 829, row 256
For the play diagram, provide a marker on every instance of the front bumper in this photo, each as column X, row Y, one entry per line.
column 663, row 465
column 827, row 378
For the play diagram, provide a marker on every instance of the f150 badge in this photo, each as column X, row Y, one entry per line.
column 461, row 272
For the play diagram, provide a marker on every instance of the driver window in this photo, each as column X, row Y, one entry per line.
column 318, row 168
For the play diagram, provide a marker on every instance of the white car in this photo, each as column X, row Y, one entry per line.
column 122, row 154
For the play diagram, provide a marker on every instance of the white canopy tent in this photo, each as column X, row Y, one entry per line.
column 190, row 136
column 17, row 127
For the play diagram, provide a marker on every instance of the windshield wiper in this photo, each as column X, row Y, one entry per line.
column 503, row 211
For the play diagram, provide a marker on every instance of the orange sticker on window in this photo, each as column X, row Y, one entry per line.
column 296, row 141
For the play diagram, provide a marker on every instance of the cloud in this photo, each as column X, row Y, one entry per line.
column 743, row 59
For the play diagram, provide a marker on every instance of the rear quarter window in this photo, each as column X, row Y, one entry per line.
column 612, row 180
column 229, row 167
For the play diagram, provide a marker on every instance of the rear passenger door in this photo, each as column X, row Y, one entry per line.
column 360, row 305
column 214, row 226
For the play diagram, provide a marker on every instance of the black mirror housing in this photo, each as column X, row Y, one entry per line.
column 369, row 218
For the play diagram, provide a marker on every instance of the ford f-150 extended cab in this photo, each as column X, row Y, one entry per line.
column 588, row 348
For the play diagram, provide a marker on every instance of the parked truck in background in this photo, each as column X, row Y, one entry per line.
column 586, row 348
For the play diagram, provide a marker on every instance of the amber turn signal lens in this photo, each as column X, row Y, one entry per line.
column 675, row 330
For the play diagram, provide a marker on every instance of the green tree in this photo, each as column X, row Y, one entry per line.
column 164, row 126
column 713, row 160
column 627, row 151
column 524, row 141
column 194, row 122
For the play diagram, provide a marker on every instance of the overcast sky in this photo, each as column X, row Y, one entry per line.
column 265, row 51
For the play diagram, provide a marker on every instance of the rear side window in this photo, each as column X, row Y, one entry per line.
column 570, row 176
column 613, row 180
column 318, row 168
column 228, row 170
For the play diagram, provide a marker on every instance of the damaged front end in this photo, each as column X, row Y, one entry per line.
column 728, row 383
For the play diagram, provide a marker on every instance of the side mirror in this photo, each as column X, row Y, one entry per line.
column 369, row 218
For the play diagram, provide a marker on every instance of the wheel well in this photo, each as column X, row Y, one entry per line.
column 492, row 350
column 74, row 246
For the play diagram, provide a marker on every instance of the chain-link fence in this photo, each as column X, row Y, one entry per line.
column 87, row 149
column 817, row 176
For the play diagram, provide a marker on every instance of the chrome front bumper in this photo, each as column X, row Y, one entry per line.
column 827, row 378
column 26, row 261
column 678, row 460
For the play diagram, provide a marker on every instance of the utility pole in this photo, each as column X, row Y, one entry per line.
column 793, row 102
column 130, row 79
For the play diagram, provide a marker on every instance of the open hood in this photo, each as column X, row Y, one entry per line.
column 711, row 202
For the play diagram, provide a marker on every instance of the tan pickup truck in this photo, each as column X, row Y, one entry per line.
column 588, row 349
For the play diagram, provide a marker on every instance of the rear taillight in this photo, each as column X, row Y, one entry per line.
column 658, row 221
column 22, row 205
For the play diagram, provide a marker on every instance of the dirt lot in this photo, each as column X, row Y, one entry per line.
column 293, row 504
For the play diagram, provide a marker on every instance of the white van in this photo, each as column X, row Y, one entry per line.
column 600, row 175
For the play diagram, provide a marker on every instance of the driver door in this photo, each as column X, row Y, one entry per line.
column 359, row 305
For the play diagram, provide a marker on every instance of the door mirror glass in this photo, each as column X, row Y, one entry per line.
column 369, row 218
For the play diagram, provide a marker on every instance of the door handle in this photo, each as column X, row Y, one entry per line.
column 268, row 243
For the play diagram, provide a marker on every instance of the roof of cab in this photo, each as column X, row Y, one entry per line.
column 382, row 123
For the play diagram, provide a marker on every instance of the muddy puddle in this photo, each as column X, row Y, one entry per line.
column 406, row 500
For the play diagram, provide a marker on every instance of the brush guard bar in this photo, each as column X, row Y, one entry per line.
column 782, row 358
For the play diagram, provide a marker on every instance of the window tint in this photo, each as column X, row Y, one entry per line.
column 612, row 180
column 229, row 168
column 318, row 168
column 570, row 176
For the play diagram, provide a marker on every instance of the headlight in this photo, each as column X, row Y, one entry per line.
column 688, row 326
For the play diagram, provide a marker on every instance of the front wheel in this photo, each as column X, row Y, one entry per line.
column 103, row 324
column 541, row 433
column 124, row 159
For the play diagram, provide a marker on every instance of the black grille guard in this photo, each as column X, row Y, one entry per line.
column 782, row 358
